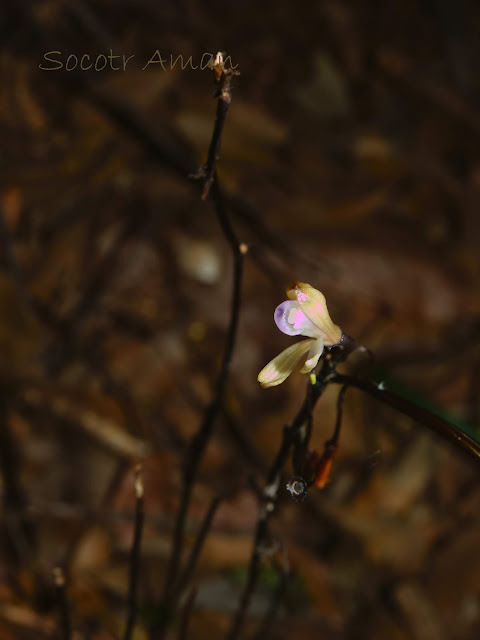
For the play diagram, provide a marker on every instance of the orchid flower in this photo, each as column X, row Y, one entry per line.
column 305, row 313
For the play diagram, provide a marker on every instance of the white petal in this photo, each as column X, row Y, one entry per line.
column 278, row 370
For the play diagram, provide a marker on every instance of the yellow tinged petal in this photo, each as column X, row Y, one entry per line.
column 313, row 304
column 313, row 356
column 278, row 370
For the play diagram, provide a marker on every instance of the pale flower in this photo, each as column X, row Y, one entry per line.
column 304, row 314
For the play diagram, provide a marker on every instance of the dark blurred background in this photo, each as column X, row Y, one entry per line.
column 351, row 161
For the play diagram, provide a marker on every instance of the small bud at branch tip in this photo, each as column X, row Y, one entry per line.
column 138, row 482
column 58, row 577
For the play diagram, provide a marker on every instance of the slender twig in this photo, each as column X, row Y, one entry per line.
column 224, row 97
column 300, row 455
column 63, row 604
column 338, row 422
column 254, row 568
column 473, row 395
column 291, row 437
column 322, row 466
column 433, row 422
column 186, row 613
column 134, row 570
column 174, row 153
column 272, row 611
column 278, row 595
column 270, row 496
column 200, row 440
column 179, row 160
column 194, row 556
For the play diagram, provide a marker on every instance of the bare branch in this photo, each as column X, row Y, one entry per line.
column 63, row 603
column 192, row 561
column 200, row 440
column 185, row 615
column 135, row 556
column 264, row 629
column 224, row 79
column 291, row 434
column 323, row 465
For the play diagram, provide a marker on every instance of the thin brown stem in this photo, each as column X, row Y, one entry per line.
column 63, row 604
column 224, row 98
column 194, row 556
column 322, row 466
column 270, row 498
column 264, row 629
column 186, row 614
column 134, row 569
column 200, row 440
